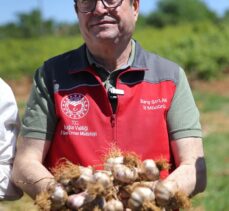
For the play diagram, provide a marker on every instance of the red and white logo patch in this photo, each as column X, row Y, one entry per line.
column 75, row 106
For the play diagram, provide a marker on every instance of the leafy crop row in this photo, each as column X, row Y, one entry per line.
column 21, row 57
column 200, row 48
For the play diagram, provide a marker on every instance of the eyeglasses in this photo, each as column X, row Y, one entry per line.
column 86, row 6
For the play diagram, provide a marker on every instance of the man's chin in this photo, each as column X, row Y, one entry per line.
column 105, row 37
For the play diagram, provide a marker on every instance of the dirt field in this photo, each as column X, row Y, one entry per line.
column 216, row 120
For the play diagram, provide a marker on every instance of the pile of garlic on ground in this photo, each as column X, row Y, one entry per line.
column 125, row 183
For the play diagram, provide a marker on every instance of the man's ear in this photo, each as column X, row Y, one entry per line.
column 136, row 8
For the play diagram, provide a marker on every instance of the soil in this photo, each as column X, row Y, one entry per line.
column 21, row 88
column 218, row 87
column 217, row 121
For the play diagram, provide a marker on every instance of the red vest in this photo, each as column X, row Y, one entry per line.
column 87, row 128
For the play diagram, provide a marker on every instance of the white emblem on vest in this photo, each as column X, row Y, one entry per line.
column 75, row 106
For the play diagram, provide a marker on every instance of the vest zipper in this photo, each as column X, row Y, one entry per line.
column 113, row 120
column 113, row 124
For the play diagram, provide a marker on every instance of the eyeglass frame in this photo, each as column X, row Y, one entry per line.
column 104, row 4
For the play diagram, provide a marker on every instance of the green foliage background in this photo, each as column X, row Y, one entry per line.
column 20, row 57
column 200, row 48
column 179, row 11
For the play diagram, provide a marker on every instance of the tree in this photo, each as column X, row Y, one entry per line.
column 30, row 24
column 142, row 21
column 9, row 29
column 178, row 11
column 226, row 16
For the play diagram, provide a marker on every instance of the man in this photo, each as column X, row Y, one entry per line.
column 110, row 92
column 9, row 127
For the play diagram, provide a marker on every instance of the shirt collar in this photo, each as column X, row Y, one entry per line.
column 92, row 60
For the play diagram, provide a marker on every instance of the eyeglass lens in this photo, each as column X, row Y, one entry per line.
column 89, row 5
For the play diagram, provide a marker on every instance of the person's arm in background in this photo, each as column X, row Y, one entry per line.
column 28, row 172
column 9, row 127
column 38, row 125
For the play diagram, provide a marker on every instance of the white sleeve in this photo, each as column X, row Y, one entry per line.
column 9, row 128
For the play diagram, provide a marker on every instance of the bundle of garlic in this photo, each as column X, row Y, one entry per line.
column 125, row 183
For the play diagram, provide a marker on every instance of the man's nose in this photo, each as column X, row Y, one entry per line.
column 100, row 8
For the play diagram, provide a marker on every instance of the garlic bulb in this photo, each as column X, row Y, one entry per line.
column 112, row 161
column 85, row 177
column 103, row 177
column 58, row 197
column 167, row 188
column 124, row 174
column 58, row 193
column 85, row 170
column 78, row 200
column 150, row 170
column 164, row 192
column 139, row 195
column 114, row 205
